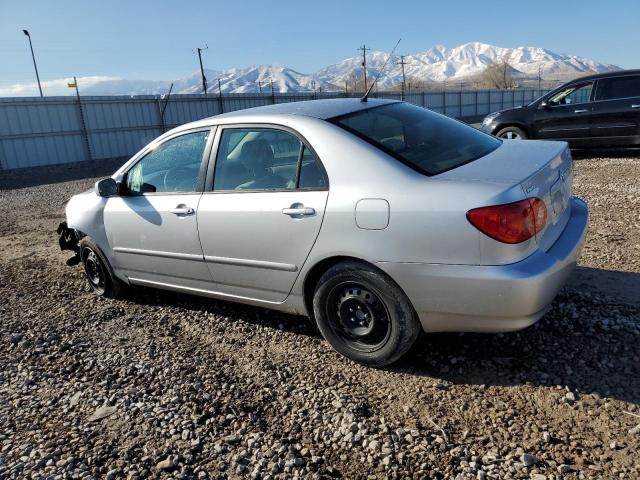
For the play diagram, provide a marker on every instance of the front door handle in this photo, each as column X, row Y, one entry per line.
column 581, row 110
column 635, row 106
column 297, row 209
column 182, row 209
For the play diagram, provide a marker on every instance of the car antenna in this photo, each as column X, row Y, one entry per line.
column 366, row 95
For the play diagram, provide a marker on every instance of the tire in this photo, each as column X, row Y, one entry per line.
column 99, row 274
column 384, row 325
column 512, row 133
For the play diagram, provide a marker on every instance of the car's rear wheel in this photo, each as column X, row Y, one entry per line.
column 98, row 271
column 364, row 314
column 512, row 133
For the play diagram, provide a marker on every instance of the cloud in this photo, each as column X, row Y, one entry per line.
column 53, row 87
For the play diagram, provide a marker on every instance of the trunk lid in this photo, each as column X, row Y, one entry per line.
column 537, row 169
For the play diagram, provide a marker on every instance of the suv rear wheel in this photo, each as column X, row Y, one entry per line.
column 364, row 314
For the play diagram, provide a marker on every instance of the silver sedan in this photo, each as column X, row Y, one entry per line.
column 376, row 218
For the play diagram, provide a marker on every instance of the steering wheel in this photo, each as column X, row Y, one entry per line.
column 175, row 172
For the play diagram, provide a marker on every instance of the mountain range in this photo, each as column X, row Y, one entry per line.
column 438, row 64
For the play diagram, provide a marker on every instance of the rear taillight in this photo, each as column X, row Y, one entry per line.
column 512, row 222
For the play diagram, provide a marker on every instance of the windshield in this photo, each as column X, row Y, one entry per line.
column 426, row 141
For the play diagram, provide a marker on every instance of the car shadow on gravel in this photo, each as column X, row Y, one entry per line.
column 588, row 345
column 297, row 324
column 605, row 152
column 582, row 344
column 44, row 175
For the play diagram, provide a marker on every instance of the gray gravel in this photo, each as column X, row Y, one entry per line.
column 167, row 385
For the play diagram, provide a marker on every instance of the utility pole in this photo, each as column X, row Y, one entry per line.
column 364, row 63
column 204, row 79
column 346, row 88
column 26, row 32
column 402, row 63
column 539, row 76
column 273, row 94
column 260, row 87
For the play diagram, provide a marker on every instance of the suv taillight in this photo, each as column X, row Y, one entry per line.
column 511, row 222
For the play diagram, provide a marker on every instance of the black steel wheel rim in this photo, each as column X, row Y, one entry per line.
column 358, row 316
column 94, row 270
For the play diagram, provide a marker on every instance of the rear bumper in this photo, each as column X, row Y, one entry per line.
column 475, row 298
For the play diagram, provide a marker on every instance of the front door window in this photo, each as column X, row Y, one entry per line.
column 173, row 166
column 573, row 95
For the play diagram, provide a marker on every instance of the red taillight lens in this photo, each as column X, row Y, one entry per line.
column 512, row 222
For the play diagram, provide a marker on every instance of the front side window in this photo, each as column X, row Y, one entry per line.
column 264, row 159
column 572, row 95
column 172, row 166
column 619, row 87
column 426, row 141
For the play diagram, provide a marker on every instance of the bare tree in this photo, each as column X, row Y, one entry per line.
column 498, row 74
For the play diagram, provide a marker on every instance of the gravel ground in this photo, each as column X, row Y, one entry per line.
column 167, row 385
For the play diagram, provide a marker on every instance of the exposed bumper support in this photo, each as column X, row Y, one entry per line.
column 68, row 240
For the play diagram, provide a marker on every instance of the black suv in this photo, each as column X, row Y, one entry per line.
column 595, row 111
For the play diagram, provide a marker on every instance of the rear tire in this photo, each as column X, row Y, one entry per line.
column 99, row 274
column 364, row 315
column 512, row 133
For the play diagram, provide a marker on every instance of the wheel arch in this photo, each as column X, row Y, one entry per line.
column 313, row 276
column 315, row 273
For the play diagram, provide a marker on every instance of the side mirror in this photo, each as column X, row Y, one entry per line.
column 107, row 187
column 545, row 105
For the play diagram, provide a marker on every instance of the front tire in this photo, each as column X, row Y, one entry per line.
column 364, row 315
column 99, row 275
column 512, row 133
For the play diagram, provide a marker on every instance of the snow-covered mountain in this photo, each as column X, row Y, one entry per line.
column 437, row 64
column 442, row 64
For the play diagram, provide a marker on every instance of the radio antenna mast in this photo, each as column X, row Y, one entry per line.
column 366, row 95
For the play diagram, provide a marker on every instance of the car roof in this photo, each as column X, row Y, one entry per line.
column 616, row 73
column 322, row 109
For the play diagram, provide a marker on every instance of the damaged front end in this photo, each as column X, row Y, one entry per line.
column 68, row 240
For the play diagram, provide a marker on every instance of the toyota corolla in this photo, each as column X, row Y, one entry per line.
column 375, row 218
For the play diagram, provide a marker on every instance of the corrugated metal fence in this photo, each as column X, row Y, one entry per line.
column 54, row 130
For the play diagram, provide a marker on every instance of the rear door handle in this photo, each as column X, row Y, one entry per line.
column 299, row 211
column 182, row 209
column 581, row 110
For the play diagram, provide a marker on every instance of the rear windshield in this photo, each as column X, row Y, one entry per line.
column 427, row 142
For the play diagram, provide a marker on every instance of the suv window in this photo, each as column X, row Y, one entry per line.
column 572, row 95
column 618, row 87
column 264, row 159
column 173, row 166
column 426, row 141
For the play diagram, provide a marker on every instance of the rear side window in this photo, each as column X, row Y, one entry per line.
column 619, row 87
column 427, row 142
column 259, row 159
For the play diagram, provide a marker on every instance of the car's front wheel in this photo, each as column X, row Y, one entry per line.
column 97, row 270
column 512, row 133
column 364, row 314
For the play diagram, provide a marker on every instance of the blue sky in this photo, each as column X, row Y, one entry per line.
column 154, row 39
